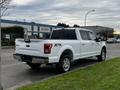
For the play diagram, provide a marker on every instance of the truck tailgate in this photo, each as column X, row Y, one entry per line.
column 34, row 47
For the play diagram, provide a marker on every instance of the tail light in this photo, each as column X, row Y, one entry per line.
column 47, row 48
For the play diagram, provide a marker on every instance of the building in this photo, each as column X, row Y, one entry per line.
column 30, row 26
column 16, row 29
column 102, row 31
column 13, row 29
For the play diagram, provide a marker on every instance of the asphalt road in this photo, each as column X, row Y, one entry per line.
column 14, row 72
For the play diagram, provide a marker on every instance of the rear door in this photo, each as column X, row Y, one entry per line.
column 66, row 38
column 85, row 44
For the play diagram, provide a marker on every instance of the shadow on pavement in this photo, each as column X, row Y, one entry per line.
column 52, row 70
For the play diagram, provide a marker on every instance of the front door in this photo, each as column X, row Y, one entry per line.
column 95, row 46
column 85, row 44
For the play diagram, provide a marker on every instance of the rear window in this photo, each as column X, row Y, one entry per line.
column 64, row 34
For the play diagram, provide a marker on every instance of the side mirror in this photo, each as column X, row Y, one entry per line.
column 97, row 39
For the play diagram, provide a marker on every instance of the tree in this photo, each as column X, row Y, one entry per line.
column 62, row 25
column 4, row 6
column 75, row 25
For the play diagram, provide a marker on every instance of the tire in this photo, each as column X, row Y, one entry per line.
column 102, row 56
column 65, row 64
column 33, row 66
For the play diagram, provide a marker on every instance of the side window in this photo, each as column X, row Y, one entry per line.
column 84, row 35
column 92, row 36
column 72, row 35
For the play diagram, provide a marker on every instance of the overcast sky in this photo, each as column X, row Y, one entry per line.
column 107, row 12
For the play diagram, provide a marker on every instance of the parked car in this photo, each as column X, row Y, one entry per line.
column 118, row 40
column 111, row 40
column 62, row 48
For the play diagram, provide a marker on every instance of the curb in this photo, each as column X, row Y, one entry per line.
column 20, row 85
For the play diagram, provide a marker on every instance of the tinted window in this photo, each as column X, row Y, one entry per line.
column 64, row 34
column 84, row 35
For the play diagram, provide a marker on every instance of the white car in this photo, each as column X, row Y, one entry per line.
column 118, row 40
column 61, row 48
column 111, row 40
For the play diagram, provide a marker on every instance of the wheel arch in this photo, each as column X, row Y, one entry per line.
column 67, row 52
column 104, row 47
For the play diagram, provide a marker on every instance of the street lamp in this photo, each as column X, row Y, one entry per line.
column 87, row 15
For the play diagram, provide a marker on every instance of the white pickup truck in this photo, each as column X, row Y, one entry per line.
column 61, row 48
